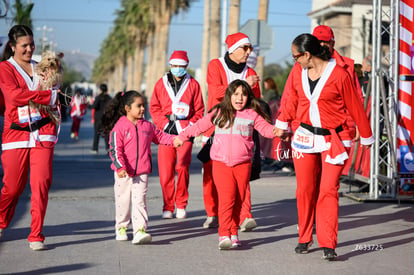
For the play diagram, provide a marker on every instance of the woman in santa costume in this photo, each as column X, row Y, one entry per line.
column 317, row 109
column 29, row 134
column 220, row 73
column 176, row 102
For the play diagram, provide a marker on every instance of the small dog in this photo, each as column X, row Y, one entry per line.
column 51, row 71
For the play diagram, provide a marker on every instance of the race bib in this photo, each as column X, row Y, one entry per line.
column 303, row 139
column 24, row 114
column 180, row 110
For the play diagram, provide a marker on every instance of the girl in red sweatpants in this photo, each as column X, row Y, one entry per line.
column 234, row 120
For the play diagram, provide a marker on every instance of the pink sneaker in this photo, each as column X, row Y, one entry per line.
column 235, row 242
column 224, row 243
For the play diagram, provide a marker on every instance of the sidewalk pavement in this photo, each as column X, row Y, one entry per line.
column 374, row 238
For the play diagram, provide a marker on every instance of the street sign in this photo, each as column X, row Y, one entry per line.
column 259, row 33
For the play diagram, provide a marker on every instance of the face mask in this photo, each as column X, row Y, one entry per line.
column 178, row 71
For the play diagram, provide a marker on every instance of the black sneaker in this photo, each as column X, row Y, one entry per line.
column 303, row 248
column 329, row 254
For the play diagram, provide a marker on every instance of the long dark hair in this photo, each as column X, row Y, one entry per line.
column 225, row 113
column 116, row 109
column 306, row 42
column 15, row 32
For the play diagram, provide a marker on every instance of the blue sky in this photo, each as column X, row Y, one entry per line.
column 82, row 25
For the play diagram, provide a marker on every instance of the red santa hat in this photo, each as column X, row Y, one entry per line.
column 179, row 58
column 235, row 40
column 324, row 33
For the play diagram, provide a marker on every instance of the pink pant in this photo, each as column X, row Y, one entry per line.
column 317, row 194
column 16, row 165
column 211, row 198
column 231, row 184
column 170, row 161
column 130, row 199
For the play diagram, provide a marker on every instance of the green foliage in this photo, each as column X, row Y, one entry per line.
column 70, row 76
column 278, row 73
column 22, row 13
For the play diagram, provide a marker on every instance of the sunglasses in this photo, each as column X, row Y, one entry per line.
column 246, row 47
column 295, row 57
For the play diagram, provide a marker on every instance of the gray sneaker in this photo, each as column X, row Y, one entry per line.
column 37, row 246
column 211, row 222
column 248, row 225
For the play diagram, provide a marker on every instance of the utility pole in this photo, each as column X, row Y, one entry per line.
column 44, row 40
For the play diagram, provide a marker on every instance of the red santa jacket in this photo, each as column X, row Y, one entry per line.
column 187, row 104
column 218, row 78
column 78, row 106
column 348, row 65
column 327, row 107
column 18, row 88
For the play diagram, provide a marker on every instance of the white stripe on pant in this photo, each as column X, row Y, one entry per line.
column 130, row 199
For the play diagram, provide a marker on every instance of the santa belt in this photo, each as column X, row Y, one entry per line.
column 33, row 127
column 320, row 131
column 174, row 117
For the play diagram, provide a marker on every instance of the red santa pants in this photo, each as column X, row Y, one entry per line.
column 171, row 160
column 76, row 121
column 211, row 198
column 16, row 165
column 231, row 184
column 317, row 194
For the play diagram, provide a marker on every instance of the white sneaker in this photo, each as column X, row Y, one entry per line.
column 248, row 225
column 121, row 234
column 141, row 237
column 37, row 246
column 224, row 243
column 180, row 214
column 72, row 135
column 167, row 215
column 211, row 222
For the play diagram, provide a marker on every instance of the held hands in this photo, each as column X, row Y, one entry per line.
column 177, row 142
column 282, row 134
column 122, row 174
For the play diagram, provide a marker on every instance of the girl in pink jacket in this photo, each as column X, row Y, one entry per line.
column 234, row 120
column 130, row 150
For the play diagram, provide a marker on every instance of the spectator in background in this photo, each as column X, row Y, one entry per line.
column 98, row 109
column 271, row 92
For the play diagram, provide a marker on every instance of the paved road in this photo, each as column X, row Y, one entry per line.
column 79, row 229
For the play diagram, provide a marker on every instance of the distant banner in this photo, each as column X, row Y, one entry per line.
column 405, row 135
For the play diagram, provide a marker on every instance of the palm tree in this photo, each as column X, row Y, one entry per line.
column 161, row 14
column 262, row 15
column 205, row 51
column 22, row 14
column 234, row 16
column 215, row 21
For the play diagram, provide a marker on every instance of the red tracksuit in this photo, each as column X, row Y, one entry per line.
column 319, row 159
column 218, row 78
column 25, row 147
column 187, row 104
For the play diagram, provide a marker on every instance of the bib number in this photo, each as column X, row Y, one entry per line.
column 24, row 114
column 180, row 110
column 303, row 139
